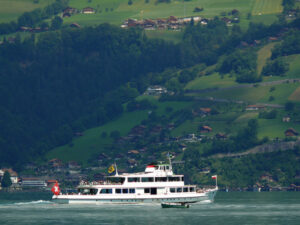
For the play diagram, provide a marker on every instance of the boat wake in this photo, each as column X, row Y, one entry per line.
column 33, row 202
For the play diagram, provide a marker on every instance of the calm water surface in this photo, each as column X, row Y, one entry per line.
column 229, row 208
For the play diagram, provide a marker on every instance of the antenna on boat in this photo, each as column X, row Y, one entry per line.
column 170, row 161
column 116, row 169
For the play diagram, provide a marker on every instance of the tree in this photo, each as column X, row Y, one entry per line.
column 130, row 2
column 6, row 181
column 56, row 23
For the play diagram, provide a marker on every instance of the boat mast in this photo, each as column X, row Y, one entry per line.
column 116, row 169
column 170, row 161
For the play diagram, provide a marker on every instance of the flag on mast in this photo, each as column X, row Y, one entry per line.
column 214, row 177
column 111, row 169
column 55, row 189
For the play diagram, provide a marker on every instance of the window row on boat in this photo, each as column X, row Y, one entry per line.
column 94, row 191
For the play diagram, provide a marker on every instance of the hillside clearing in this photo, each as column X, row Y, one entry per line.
column 263, row 55
column 262, row 7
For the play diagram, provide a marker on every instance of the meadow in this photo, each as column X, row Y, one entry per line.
column 11, row 9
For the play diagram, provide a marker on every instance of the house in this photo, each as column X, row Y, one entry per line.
column 69, row 10
column 286, row 119
column 73, row 165
column 50, row 183
column 205, row 110
column 273, row 39
column 291, row 132
column 33, row 182
column 13, row 175
column 155, row 90
column 205, row 129
column 221, row 136
column 133, row 152
column 254, row 107
column 75, row 25
column 88, row 10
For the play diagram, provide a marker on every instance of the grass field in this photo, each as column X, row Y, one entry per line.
column 11, row 9
column 260, row 94
column 262, row 55
column 92, row 142
column 211, row 81
column 262, row 7
column 274, row 128
column 295, row 96
column 294, row 66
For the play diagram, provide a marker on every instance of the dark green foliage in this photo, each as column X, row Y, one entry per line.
column 289, row 106
column 290, row 45
column 186, row 76
column 30, row 19
column 68, row 81
column 278, row 67
column 6, row 181
column 115, row 134
column 243, row 65
column 268, row 115
column 139, row 105
column 130, row 2
column 56, row 23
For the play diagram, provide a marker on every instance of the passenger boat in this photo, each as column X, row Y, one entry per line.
column 158, row 184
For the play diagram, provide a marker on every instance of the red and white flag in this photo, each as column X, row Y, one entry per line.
column 55, row 189
column 214, row 177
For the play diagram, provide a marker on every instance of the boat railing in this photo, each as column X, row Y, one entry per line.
column 87, row 183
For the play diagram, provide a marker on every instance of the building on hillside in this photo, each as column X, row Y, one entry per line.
column 13, row 175
column 33, row 182
column 156, row 90
column 286, row 119
column 291, row 132
column 88, row 10
column 254, row 107
column 205, row 129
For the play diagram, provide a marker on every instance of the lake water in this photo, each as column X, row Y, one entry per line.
column 238, row 208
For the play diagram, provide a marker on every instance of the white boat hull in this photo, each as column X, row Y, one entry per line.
column 135, row 199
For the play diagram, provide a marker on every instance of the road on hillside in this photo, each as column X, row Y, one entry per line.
column 267, row 83
column 235, row 101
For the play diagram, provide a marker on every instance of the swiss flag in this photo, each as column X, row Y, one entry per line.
column 55, row 189
column 214, row 177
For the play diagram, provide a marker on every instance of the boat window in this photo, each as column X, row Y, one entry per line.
column 147, row 190
column 185, row 189
column 192, row 189
column 115, row 180
column 131, row 190
column 147, row 179
column 133, row 179
column 118, row 191
column 172, row 190
column 106, row 191
column 125, row 191
column 182, row 178
column 179, row 190
column 161, row 179
column 174, row 178
column 167, row 168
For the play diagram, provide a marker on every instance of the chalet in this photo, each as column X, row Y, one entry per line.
column 133, row 152
column 50, row 183
column 132, row 23
column 75, row 25
column 291, row 132
column 132, row 163
column 254, row 107
column 73, row 165
column 235, row 12
column 205, row 129
column 273, row 39
column 286, row 119
column 221, row 136
column 156, row 90
column 172, row 19
column 69, row 10
column 205, row 110
column 55, row 162
column 88, row 10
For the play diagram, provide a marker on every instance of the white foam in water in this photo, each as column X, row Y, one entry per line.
column 33, row 202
